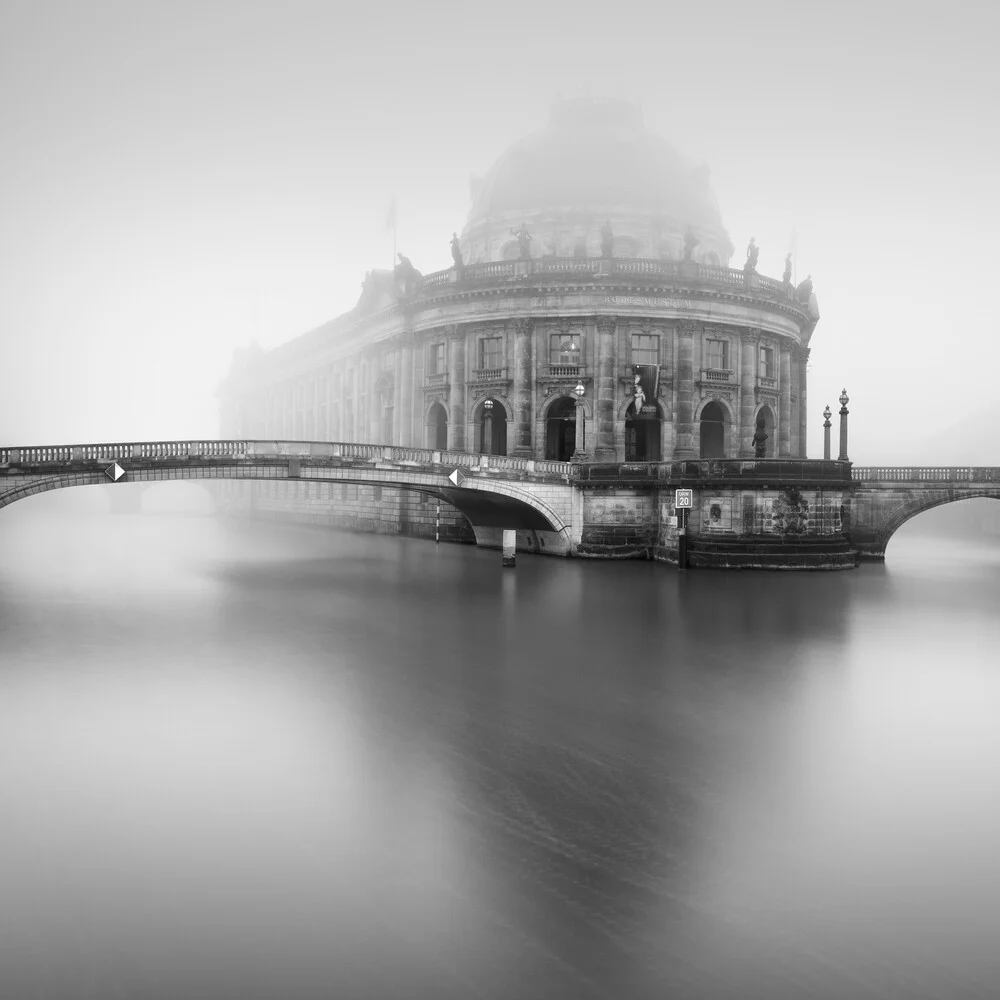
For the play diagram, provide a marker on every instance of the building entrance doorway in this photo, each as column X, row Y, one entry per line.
column 713, row 431
column 642, row 438
column 492, row 429
column 560, row 430
column 437, row 428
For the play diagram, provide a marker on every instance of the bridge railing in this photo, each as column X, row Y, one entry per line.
column 153, row 451
column 926, row 474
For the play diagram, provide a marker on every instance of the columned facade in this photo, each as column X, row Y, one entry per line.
column 457, row 391
column 684, row 447
column 604, row 390
column 749, row 345
column 785, row 403
column 522, row 445
column 525, row 321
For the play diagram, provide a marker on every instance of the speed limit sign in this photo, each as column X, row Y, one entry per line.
column 683, row 499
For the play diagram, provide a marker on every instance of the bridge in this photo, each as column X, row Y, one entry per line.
column 885, row 497
column 493, row 492
column 550, row 501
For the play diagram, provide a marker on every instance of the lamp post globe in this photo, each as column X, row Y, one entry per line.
column 580, row 389
column 844, row 398
column 827, row 413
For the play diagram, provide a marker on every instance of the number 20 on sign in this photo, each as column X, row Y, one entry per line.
column 683, row 499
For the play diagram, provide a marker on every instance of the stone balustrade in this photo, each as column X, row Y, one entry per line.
column 925, row 474
column 686, row 274
column 151, row 452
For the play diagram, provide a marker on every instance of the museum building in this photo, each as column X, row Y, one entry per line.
column 593, row 254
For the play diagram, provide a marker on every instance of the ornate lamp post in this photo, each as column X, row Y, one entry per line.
column 844, row 400
column 488, row 427
column 578, row 451
column 826, row 433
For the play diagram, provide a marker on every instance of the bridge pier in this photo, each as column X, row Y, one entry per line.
column 509, row 547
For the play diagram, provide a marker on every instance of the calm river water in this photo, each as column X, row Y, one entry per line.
column 262, row 761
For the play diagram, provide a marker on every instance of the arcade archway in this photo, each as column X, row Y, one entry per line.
column 642, row 437
column 770, row 445
column 714, row 429
column 437, row 428
column 492, row 432
column 560, row 430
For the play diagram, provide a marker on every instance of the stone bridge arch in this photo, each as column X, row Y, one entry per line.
column 875, row 515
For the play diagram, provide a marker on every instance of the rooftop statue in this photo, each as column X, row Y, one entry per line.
column 804, row 289
column 690, row 242
column 787, row 276
column 406, row 274
column 607, row 240
column 759, row 439
column 753, row 253
column 523, row 240
column 456, row 251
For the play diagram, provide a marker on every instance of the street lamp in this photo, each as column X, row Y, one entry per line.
column 580, row 390
column 826, row 433
column 488, row 427
column 844, row 400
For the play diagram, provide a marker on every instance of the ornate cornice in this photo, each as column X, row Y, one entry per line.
column 558, row 383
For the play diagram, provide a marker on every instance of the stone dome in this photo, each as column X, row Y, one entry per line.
column 595, row 160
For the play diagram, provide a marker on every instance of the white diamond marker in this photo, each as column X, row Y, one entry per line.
column 114, row 472
column 457, row 478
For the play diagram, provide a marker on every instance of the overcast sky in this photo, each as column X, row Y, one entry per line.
column 180, row 178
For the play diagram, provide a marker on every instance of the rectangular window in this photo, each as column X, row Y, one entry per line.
column 718, row 354
column 491, row 352
column 564, row 349
column 437, row 363
column 767, row 362
column 645, row 349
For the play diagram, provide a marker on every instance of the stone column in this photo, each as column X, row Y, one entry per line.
column 803, row 411
column 784, row 402
column 842, row 457
column 375, row 399
column 406, row 393
column 684, row 448
column 522, row 445
column 397, row 396
column 750, row 348
column 604, row 391
column 581, row 423
column 795, row 427
column 457, row 394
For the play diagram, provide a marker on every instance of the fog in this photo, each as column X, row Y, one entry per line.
column 180, row 179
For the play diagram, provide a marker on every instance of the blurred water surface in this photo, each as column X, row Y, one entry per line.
column 277, row 762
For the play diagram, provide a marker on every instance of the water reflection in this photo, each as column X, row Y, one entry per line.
column 266, row 761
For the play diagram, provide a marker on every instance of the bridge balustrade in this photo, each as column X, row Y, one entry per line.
column 924, row 474
column 153, row 451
